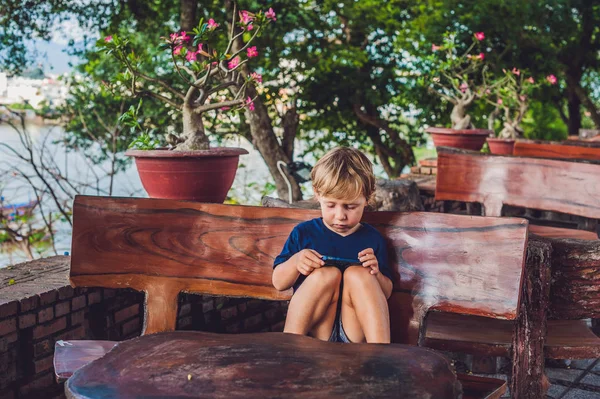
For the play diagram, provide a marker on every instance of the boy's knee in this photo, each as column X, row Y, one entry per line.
column 327, row 276
column 358, row 275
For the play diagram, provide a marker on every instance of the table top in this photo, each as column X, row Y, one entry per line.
column 186, row 364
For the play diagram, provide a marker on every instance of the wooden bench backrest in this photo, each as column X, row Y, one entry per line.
column 548, row 149
column 463, row 264
column 546, row 184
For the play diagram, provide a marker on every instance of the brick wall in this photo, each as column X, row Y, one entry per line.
column 30, row 326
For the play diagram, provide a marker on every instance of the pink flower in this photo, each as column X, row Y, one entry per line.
column 191, row 56
column 435, row 48
column 212, row 25
column 530, row 80
column 108, row 39
column 463, row 87
column 177, row 50
column 245, row 17
column 271, row 15
column 499, row 101
column 481, row 56
column 552, row 79
column 516, row 71
column 174, row 37
column 225, row 108
column 256, row 77
column 251, row 52
column 249, row 27
column 250, row 104
column 522, row 98
column 184, row 37
column 479, row 36
column 233, row 63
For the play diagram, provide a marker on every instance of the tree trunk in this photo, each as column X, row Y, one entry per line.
column 187, row 14
column 574, row 104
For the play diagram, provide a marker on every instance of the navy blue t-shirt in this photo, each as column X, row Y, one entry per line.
column 313, row 234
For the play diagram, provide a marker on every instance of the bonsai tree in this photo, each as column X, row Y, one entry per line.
column 211, row 75
column 459, row 78
column 512, row 93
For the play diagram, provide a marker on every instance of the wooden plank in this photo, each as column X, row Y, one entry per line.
column 561, row 232
column 453, row 263
column 554, row 185
column 476, row 387
column 571, row 339
column 566, row 150
column 267, row 365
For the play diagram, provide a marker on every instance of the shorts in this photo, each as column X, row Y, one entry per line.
column 338, row 334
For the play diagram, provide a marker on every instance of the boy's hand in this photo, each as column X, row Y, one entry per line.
column 368, row 259
column 308, row 260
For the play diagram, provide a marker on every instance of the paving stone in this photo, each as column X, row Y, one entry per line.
column 581, row 394
column 580, row 364
column 555, row 391
column 568, row 375
column 593, row 380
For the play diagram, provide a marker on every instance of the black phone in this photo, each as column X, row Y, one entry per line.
column 340, row 263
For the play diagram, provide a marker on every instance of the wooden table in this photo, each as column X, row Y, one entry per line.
column 266, row 365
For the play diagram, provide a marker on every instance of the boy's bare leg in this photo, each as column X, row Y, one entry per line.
column 313, row 306
column 365, row 313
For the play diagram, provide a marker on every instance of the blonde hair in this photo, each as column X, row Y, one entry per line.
column 344, row 173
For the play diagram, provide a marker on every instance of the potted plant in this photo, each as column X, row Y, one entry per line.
column 512, row 98
column 459, row 79
column 189, row 168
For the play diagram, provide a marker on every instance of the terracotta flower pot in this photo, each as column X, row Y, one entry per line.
column 203, row 176
column 469, row 139
column 501, row 146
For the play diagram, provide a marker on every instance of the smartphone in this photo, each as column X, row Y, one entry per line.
column 341, row 263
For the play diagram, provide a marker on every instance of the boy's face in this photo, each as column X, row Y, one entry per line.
column 342, row 216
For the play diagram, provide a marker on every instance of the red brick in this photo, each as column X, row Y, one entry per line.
column 43, row 330
column 7, row 360
column 233, row 328
column 272, row 314
column 127, row 313
column 45, row 315
column 207, row 306
column 130, row 327
column 185, row 309
column 48, row 298
column 253, row 322
column 77, row 317
column 278, row 327
column 78, row 302
column 94, row 297
column 7, row 395
column 27, row 320
column 44, row 347
column 228, row 313
column 62, row 308
column 7, row 341
column 65, row 292
column 8, row 326
column 8, row 375
column 44, row 364
column 27, row 304
column 242, row 307
column 184, row 322
column 8, row 309
column 75, row 333
column 37, row 386
column 109, row 293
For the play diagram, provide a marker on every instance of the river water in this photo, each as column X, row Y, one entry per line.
column 250, row 179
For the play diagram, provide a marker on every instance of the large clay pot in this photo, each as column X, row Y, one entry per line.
column 468, row 139
column 501, row 146
column 203, row 176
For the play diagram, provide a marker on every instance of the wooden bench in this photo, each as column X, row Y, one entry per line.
column 442, row 263
column 564, row 186
column 561, row 150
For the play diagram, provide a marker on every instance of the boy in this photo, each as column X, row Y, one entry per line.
column 326, row 304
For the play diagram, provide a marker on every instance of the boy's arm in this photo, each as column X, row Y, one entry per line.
column 285, row 274
column 385, row 284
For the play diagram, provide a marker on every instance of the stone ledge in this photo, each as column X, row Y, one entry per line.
column 34, row 278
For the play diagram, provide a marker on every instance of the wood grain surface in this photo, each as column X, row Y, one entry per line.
column 464, row 264
column 554, row 185
column 548, row 149
column 266, row 365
